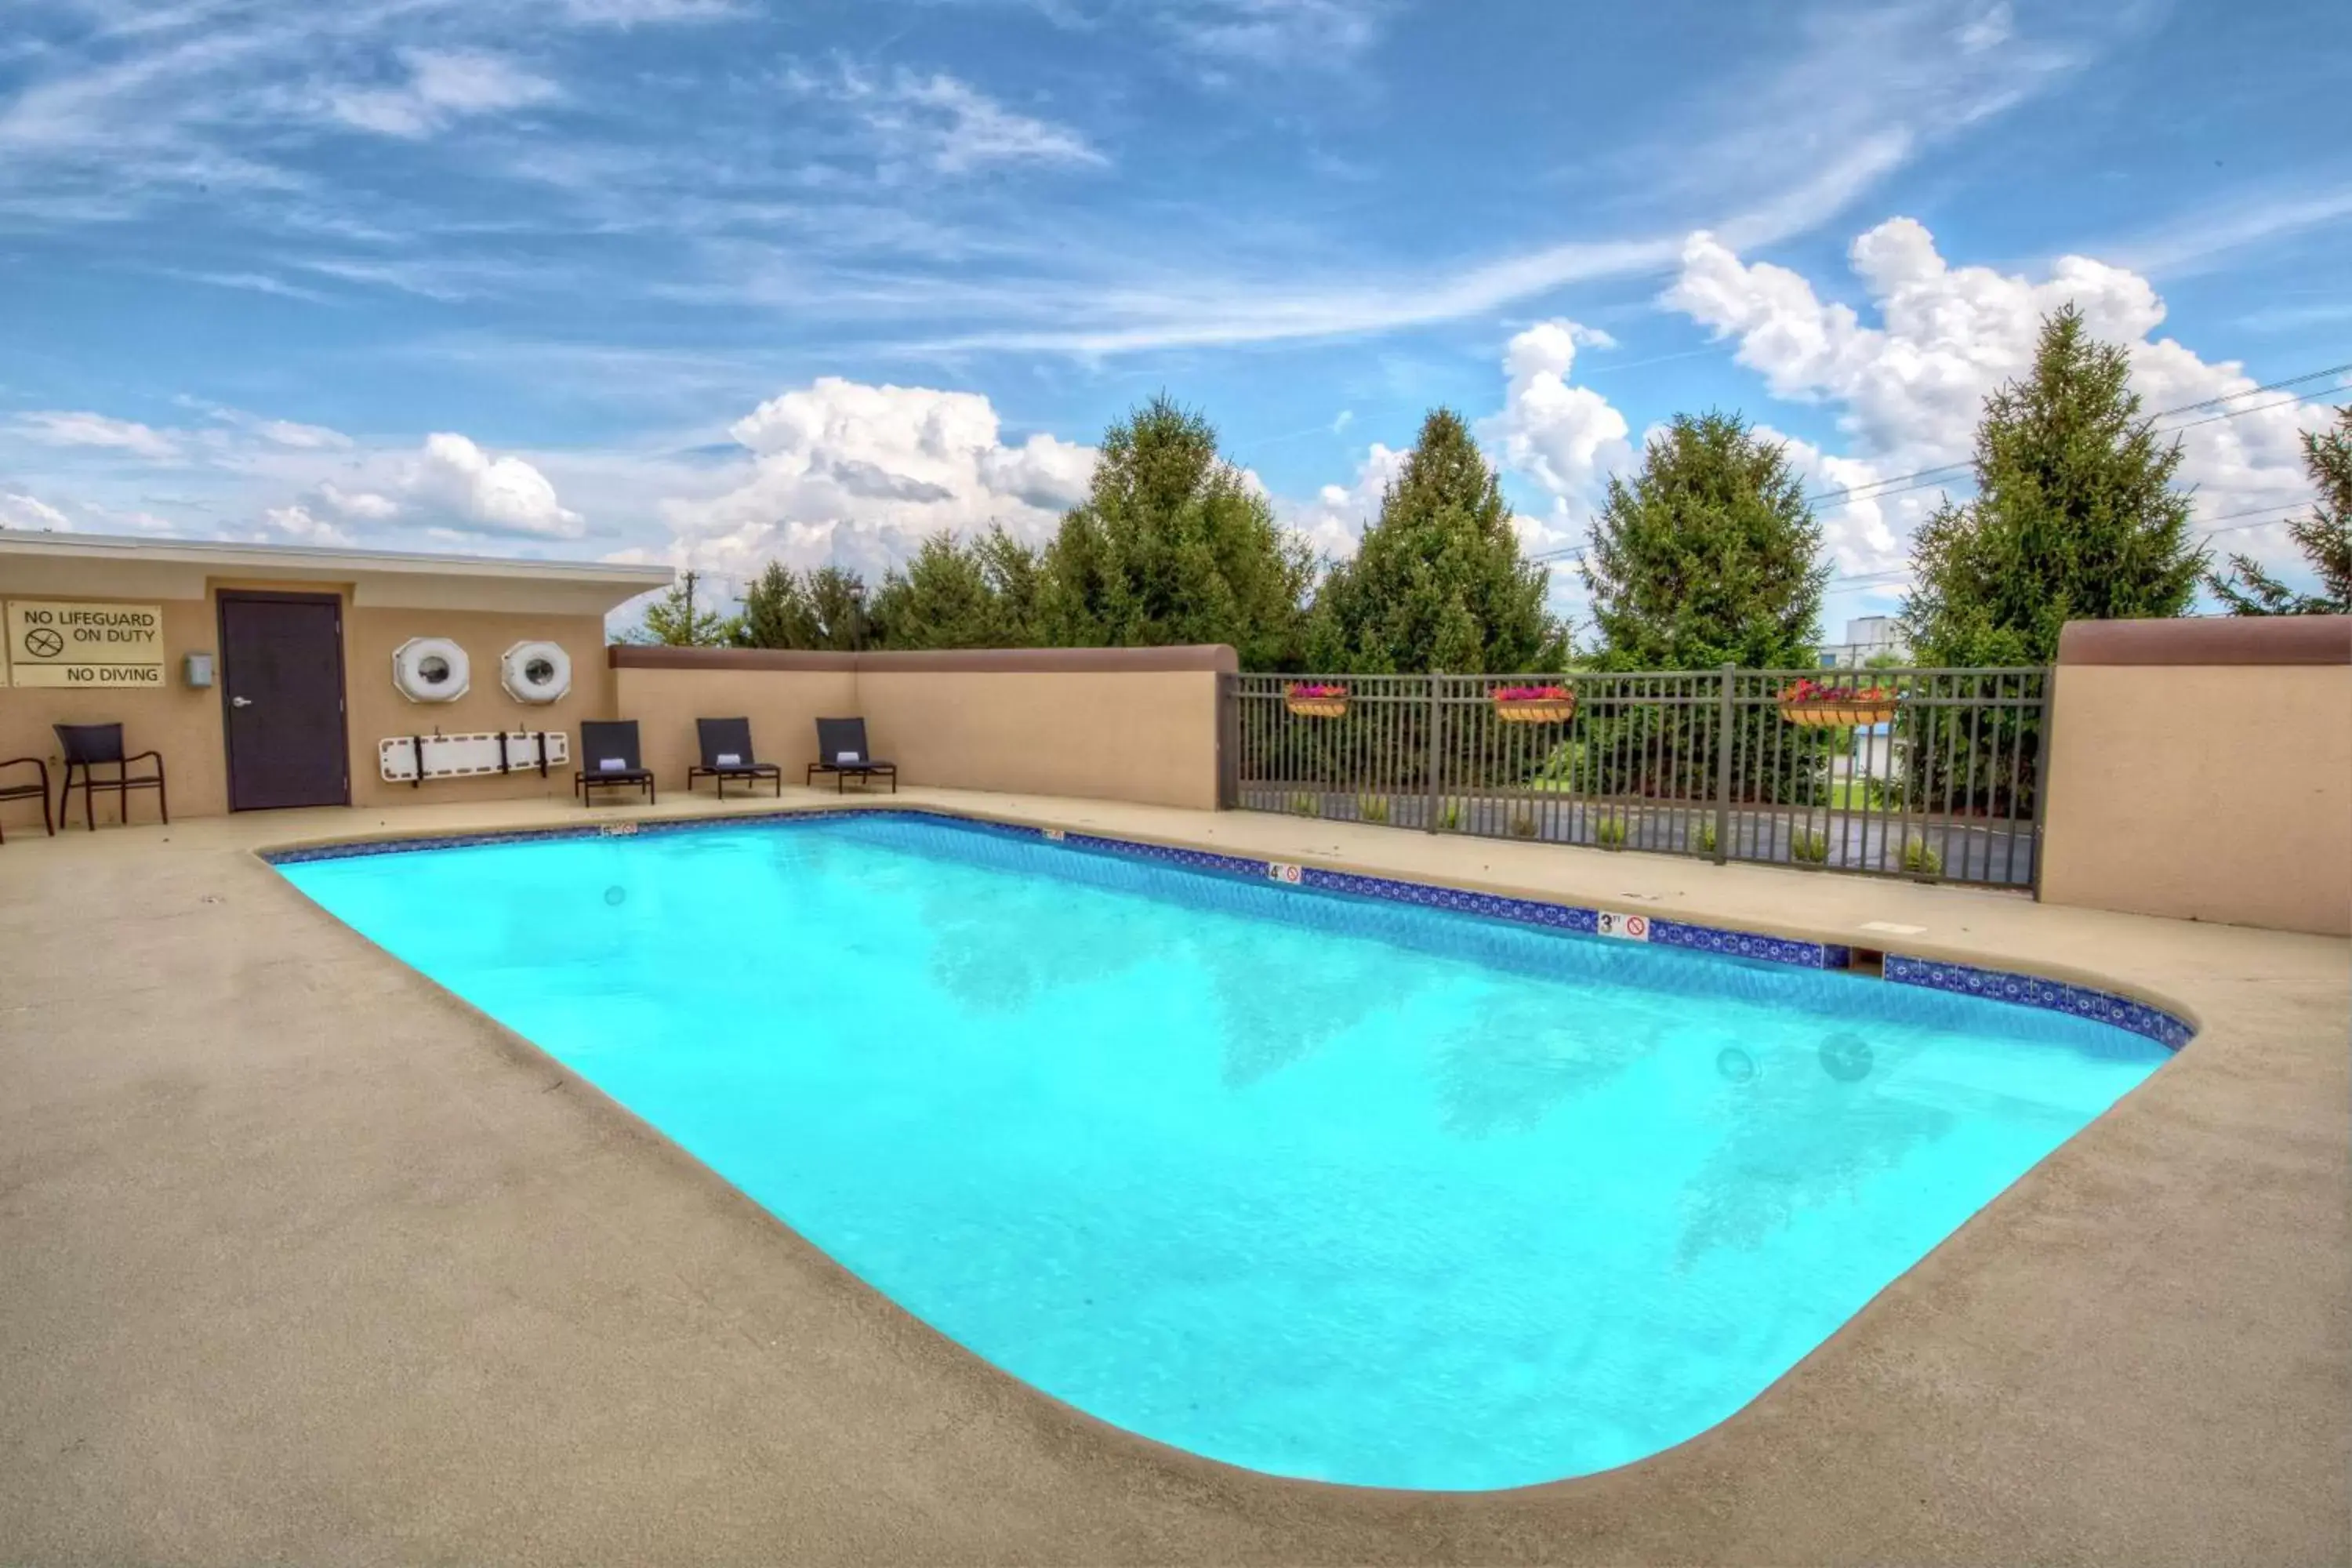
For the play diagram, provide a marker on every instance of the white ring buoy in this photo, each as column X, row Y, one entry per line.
column 431, row 669
column 535, row 671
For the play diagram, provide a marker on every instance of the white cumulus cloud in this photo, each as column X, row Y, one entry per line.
column 32, row 512
column 365, row 505
column 1335, row 520
column 1910, row 389
column 1566, row 439
column 297, row 524
column 475, row 492
column 861, row 474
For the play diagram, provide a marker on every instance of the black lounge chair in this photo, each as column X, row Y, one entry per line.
column 24, row 790
column 609, row 758
column 101, row 745
column 842, row 752
column 727, row 755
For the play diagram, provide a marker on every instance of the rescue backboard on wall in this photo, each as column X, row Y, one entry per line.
column 58, row 642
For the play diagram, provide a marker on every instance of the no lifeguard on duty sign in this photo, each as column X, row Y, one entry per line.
column 53, row 642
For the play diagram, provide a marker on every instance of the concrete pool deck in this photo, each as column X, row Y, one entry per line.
column 308, row 1262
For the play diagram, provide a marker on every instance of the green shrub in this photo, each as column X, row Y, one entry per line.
column 1372, row 807
column 1922, row 859
column 1702, row 836
column 1304, row 804
column 1611, row 833
column 1449, row 820
column 1522, row 822
column 1808, row 848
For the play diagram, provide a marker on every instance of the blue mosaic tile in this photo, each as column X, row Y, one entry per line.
column 1460, row 901
column 1744, row 944
column 2052, row 996
column 1166, row 854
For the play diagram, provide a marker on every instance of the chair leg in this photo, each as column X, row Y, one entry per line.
column 163, row 803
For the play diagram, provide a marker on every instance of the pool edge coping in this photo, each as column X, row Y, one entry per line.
column 2072, row 993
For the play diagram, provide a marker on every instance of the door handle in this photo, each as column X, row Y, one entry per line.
column 240, row 701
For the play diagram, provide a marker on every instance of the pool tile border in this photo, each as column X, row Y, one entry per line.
column 1935, row 974
column 2032, row 991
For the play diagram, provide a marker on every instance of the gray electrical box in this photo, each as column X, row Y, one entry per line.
column 200, row 670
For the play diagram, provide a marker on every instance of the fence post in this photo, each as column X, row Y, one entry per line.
column 2049, row 714
column 1229, row 742
column 1435, row 792
column 1723, row 770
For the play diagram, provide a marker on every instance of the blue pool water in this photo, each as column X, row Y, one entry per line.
column 1317, row 1186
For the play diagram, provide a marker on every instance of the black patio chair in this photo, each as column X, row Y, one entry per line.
column 101, row 745
column 27, row 791
column 609, row 758
column 727, row 755
column 842, row 752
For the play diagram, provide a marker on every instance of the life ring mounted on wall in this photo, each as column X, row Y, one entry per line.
column 431, row 669
column 536, row 672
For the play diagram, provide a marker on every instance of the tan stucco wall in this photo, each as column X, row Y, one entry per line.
column 783, row 706
column 184, row 724
column 1138, row 734
column 2203, row 793
column 1149, row 737
column 378, row 710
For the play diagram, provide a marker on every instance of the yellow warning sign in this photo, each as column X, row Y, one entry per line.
column 54, row 642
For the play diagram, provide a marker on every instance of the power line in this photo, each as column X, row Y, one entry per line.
column 1893, row 574
column 1927, row 476
column 1854, row 492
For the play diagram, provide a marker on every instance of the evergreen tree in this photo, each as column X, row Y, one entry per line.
column 1174, row 545
column 1706, row 556
column 673, row 621
column 1438, row 582
column 2075, row 516
column 823, row 608
column 2325, row 538
column 956, row 594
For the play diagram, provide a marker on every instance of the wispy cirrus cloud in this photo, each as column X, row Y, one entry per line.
column 938, row 122
column 61, row 427
column 442, row 87
column 1271, row 34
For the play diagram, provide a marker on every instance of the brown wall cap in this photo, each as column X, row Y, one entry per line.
column 2209, row 640
column 1214, row 658
column 639, row 656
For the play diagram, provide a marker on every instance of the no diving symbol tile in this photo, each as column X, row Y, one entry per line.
column 1625, row 928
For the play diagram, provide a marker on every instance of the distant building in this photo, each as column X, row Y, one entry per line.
column 1871, row 636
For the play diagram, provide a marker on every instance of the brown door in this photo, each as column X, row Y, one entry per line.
column 282, row 698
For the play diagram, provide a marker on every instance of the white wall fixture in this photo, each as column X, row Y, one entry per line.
column 536, row 672
column 469, row 756
column 431, row 669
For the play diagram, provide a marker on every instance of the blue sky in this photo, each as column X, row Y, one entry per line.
column 711, row 281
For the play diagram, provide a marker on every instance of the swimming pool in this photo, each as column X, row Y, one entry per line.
column 1324, row 1186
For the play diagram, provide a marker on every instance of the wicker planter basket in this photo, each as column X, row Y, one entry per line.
column 1843, row 715
column 1320, row 707
column 1534, row 710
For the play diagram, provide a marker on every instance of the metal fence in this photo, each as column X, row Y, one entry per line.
column 1938, row 779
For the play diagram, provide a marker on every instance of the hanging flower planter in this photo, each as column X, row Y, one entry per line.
column 1534, row 704
column 1809, row 702
column 1313, row 699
